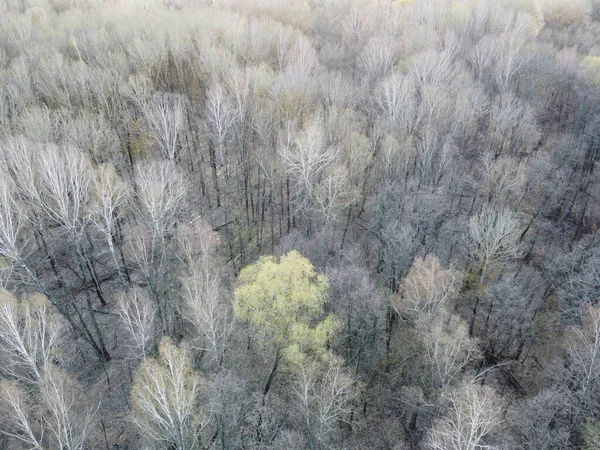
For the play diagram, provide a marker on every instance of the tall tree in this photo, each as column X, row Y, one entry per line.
column 284, row 299
column 166, row 400
column 473, row 413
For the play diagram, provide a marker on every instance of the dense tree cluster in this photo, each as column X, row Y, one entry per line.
column 324, row 224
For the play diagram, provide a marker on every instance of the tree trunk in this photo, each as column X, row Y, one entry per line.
column 272, row 374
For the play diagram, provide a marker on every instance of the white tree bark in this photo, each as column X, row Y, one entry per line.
column 472, row 413
column 29, row 337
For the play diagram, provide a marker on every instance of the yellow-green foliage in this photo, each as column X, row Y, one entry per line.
column 284, row 300
column 591, row 67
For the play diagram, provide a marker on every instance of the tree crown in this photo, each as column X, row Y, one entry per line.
column 283, row 300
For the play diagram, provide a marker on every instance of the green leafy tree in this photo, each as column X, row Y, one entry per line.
column 284, row 301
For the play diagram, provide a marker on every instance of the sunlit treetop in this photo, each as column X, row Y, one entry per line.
column 590, row 66
column 284, row 300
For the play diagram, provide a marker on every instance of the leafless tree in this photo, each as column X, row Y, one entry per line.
column 395, row 97
column 471, row 105
column 67, row 422
column 20, row 174
column 431, row 67
column 138, row 90
column 65, row 180
column 220, row 114
column 482, row 56
column 138, row 249
column 20, row 92
column 239, row 90
column 164, row 117
column 159, row 195
column 38, row 124
column 205, row 298
column 293, row 92
column 324, row 398
column 6, row 273
column 582, row 282
column 110, row 194
column 378, row 57
column 333, row 195
column 512, row 126
column 13, row 240
column 498, row 178
column 58, row 420
column 283, row 45
column 473, row 413
column 305, row 161
column 356, row 25
column 65, row 184
column 206, row 309
column 337, row 391
column 137, row 313
column 92, row 133
column 165, row 399
column 52, row 79
column 303, row 57
column 493, row 238
column 427, row 288
column 339, row 95
column 580, row 379
column 19, row 425
column 508, row 59
column 29, row 337
column 448, row 348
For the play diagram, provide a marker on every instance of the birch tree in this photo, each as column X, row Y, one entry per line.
column 206, row 309
column 13, row 226
column 58, row 420
column 427, row 290
column 498, row 178
column 580, row 379
column 206, row 303
column 165, row 400
column 159, row 195
column 305, row 161
column 493, row 238
column 19, row 424
column 29, row 337
column 324, row 399
column 448, row 349
column 473, row 412
column 395, row 97
column 378, row 57
column 137, row 313
column 164, row 118
column 110, row 194
column 220, row 115
column 158, row 199
column 67, row 421
column 65, row 182
column 92, row 133
column 21, row 204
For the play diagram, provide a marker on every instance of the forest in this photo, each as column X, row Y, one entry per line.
column 299, row 224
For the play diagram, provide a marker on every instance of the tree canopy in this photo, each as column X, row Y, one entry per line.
column 284, row 300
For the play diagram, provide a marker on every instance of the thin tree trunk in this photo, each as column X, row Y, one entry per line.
column 213, row 163
column 272, row 374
